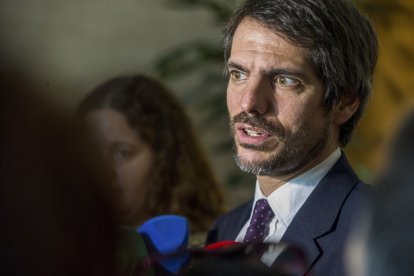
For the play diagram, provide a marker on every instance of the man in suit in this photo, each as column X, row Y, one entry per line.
column 300, row 73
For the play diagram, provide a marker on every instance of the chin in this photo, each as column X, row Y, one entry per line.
column 250, row 159
column 265, row 164
column 255, row 156
column 253, row 165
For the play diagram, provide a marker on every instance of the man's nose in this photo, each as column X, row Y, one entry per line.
column 255, row 98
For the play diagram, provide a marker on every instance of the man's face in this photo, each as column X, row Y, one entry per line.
column 275, row 101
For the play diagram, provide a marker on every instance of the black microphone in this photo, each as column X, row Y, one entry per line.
column 226, row 258
column 233, row 258
column 130, row 249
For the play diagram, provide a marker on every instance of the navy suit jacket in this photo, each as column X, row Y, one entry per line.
column 320, row 227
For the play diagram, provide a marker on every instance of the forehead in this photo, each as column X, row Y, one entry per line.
column 109, row 123
column 254, row 40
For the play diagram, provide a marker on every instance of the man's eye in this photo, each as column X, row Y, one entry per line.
column 237, row 75
column 286, row 81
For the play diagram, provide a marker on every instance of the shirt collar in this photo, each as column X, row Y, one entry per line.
column 288, row 198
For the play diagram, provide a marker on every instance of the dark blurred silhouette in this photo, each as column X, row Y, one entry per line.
column 232, row 258
column 390, row 238
column 230, row 266
column 54, row 219
column 148, row 143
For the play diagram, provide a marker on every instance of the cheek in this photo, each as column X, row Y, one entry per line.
column 133, row 177
column 296, row 115
column 232, row 101
column 291, row 114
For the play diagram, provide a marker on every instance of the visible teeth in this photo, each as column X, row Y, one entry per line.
column 252, row 133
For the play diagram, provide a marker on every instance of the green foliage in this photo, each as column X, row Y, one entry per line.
column 199, row 64
column 201, row 60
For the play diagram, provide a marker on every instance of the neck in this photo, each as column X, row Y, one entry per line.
column 269, row 184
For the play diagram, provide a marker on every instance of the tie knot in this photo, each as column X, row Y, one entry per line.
column 262, row 212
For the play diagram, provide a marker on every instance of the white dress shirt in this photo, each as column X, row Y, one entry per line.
column 286, row 201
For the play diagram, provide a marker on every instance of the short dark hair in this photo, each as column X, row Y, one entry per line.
column 341, row 41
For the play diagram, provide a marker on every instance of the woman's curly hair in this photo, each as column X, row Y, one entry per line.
column 183, row 181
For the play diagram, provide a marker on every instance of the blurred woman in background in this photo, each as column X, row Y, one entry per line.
column 154, row 158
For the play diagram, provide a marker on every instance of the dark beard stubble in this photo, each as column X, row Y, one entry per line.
column 296, row 153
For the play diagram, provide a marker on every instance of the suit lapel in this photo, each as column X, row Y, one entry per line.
column 228, row 226
column 237, row 220
column 318, row 214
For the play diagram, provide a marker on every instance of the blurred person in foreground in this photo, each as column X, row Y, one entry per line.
column 54, row 216
column 155, row 160
column 232, row 258
column 300, row 75
column 383, row 246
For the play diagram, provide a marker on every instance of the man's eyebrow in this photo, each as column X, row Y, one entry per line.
column 270, row 72
column 236, row 66
column 284, row 71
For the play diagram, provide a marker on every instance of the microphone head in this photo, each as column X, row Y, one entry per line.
column 167, row 235
column 221, row 244
column 222, row 249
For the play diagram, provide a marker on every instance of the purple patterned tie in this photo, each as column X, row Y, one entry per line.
column 262, row 215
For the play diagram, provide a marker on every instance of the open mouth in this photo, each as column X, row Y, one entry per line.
column 247, row 134
column 253, row 133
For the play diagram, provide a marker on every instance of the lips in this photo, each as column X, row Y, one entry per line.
column 247, row 134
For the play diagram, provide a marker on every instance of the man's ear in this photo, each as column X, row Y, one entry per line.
column 344, row 110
